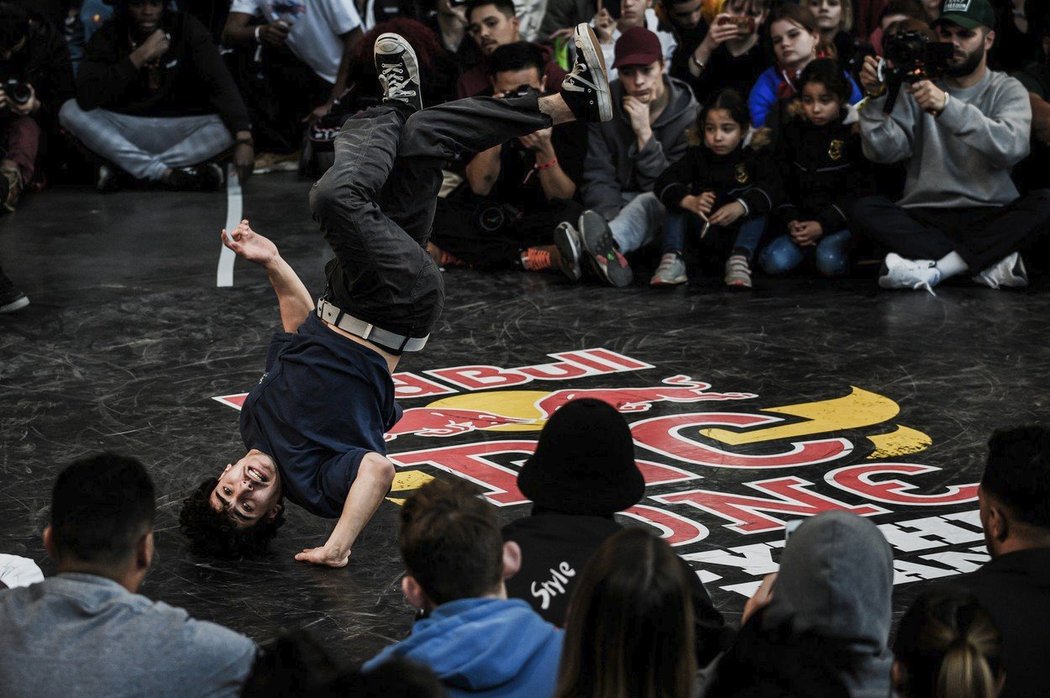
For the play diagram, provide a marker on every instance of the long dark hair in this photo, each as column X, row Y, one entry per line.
column 630, row 624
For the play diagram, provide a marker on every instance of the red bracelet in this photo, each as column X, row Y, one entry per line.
column 546, row 165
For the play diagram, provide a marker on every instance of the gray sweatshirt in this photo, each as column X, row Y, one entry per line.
column 961, row 158
column 615, row 165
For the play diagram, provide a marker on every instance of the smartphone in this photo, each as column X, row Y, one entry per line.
column 745, row 24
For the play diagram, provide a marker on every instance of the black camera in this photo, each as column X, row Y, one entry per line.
column 17, row 91
column 913, row 57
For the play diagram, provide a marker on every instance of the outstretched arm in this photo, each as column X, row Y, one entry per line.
column 372, row 483
column 294, row 300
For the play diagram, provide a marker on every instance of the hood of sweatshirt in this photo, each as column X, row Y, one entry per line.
column 477, row 645
column 680, row 102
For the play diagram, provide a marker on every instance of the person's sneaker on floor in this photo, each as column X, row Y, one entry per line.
column 570, row 247
column 109, row 180
column 911, row 274
column 601, row 250
column 398, row 70
column 1008, row 272
column 443, row 258
column 738, row 271
column 586, row 88
column 210, row 177
column 671, row 271
column 11, row 299
column 10, row 188
column 541, row 258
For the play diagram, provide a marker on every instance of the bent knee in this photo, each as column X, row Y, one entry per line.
column 70, row 115
column 378, row 468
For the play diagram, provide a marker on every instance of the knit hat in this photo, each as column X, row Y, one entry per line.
column 637, row 46
column 584, row 462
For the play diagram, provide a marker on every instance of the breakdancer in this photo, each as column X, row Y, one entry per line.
column 314, row 424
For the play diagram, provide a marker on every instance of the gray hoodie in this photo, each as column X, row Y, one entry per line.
column 961, row 158
column 836, row 581
column 614, row 165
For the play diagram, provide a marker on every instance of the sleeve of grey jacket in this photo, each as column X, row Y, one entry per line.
column 887, row 138
column 221, row 658
column 651, row 161
column 601, row 189
column 1002, row 134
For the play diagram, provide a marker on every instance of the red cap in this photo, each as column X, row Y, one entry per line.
column 637, row 46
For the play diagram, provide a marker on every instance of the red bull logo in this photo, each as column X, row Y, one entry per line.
column 447, row 421
column 631, row 400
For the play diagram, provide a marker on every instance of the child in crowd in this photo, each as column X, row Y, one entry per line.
column 947, row 645
column 796, row 40
column 721, row 191
column 819, row 156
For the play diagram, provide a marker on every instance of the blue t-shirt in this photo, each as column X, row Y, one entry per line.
column 323, row 403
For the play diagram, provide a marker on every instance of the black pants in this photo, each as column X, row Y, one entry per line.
column 982, row 236
column 375, row 205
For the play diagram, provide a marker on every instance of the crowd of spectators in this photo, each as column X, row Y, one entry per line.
column 945, row 176
column 563, row 602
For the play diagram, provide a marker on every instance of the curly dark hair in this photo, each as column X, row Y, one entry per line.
column 212, row 533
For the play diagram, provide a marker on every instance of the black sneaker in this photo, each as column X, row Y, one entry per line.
column 398, row 70
column 11, row 299
column 210, row 177
column 586, row 88
column 570, row 246
column 109, row 180
column 601, row 250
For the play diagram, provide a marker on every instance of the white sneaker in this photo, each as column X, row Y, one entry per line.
column 670, row 272
column 1008, row 271
column 911, row 274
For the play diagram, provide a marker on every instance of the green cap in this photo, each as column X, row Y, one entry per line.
column 968, row 14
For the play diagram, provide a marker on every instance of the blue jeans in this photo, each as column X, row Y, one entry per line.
column 677, row 225
column 638, row 221
column 832, row 255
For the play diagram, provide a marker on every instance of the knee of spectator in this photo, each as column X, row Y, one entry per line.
column 69, row 114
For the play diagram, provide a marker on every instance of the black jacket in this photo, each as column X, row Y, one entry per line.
column 193, row 80
column 553, row 543
column 822, row 169
column 43, row 63
column 1015, row 590
column 744, row 174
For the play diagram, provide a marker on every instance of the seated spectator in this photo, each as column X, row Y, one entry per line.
column 717, row 196
column 11, row 299
column 491, row 24
column 36, row 79
column 628, row 631
column 1014, row 501
column 516, row 194
column 835, row 21
column 561, row 16
column 449, row 24
column 961, row 213
column 633, row 13
column 298, row 63
column 684, row 18
column 1033, row 173
column 156, row 103
column 822, row 171
column 895, row 11
column 87, row 624
column 652, row 113
column 796, row 40
column 475, row 640
column 583, row 472
column 732, row 55
column 947, row 646
column 820, row 625
column 1017, row 38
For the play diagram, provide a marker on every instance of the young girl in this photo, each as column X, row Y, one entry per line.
column 819, row 157
column 835, row 22
column 796, row 41
column 721, row 191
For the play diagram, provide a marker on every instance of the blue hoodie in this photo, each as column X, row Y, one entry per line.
column 484, row 647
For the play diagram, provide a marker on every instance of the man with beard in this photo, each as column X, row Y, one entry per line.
column 960, row 213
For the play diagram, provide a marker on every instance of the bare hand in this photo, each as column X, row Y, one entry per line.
column 929, row 97
column 763, row 595
column 869, row 75
column 806, row 233
column 274, row 33
column 728, row 214
column 539, row 141
column 244, row 160
column 249, row 245
column 638, row 113
column 566, row 33
column 700, row 204
column 324, row 556
column 155, row 46
column 318, row 113
column 719, row 33
column 604, row 24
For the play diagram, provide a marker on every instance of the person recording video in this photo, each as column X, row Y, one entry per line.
column 961, row 135
column 156, row 103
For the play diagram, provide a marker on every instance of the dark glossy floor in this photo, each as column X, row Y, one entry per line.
column 128, row 340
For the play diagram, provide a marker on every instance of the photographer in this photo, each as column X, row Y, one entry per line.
column 155, row 100
column 960, row 212
column 35, row 78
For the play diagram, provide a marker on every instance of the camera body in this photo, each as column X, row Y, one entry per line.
column 745, row 24
column 913, row 57
column 17, row 91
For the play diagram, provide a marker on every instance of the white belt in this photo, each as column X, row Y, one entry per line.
column 365, row 330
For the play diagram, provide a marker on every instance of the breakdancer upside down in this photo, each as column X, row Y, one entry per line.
column 314, row 424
